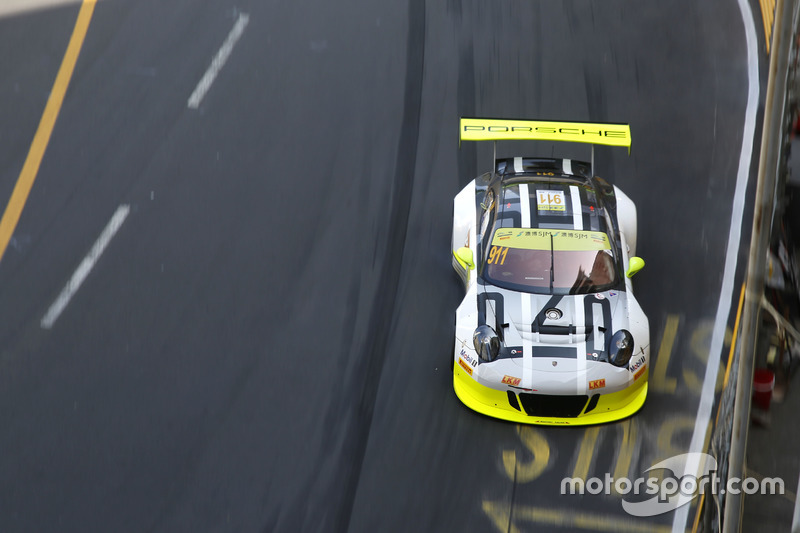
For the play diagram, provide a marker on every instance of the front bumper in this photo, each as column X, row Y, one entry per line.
column 500, row 404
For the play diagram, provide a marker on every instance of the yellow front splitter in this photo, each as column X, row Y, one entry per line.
column 494, row 403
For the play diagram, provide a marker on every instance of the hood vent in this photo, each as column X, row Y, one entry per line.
column 544, row 329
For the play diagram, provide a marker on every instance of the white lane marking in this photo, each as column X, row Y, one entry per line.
column 577, row 212
column 525, row 205
column 734, row 239
column 518, row 168
column 85, row 267
column 218, row 62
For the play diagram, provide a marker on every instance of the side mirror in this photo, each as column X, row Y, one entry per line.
column 634, row 265
column 464, row 256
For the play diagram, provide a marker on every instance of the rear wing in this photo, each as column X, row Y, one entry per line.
column 492, row 129
column 498, row 129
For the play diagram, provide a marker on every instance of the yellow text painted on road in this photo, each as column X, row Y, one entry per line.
column 30, row 168
column 634, row 445
column 506, row 519
column 586, row 452
column 627, row 448
column 659, row 381
column 526, row 471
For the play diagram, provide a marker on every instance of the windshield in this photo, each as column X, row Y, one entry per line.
column 551, row 261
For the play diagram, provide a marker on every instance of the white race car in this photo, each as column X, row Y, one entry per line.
column 549, row 331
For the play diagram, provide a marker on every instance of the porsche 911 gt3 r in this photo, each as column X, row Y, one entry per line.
column 549, row 331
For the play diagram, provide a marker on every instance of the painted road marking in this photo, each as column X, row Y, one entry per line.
column 733, row 339
column 627, row 448
column 48, row 121
column 586, row 452
column 218, row 62
column 85, row 267
column 703, row 419
column 537, row 445
column 505, row 517
column 768, row 16
column 659, row 379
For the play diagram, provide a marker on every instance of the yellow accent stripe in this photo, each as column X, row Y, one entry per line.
column 36, row 152
column 488, row 129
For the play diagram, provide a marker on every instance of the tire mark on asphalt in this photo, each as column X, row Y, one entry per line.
column 328, row 500
column 466, row 106
column 360, row 389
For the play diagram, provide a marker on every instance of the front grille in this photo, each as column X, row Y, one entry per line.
column 556, row 406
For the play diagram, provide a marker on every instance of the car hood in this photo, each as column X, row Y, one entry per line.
column 555, row 327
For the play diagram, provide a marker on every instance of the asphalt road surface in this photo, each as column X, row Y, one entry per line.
column 264, row 343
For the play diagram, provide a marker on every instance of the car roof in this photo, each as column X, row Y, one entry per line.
column 558, row 193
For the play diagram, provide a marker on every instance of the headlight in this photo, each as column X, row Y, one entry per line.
column 486, row 343
column 621, row 348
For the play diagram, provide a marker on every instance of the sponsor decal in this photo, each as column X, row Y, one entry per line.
column 552, row 422
column 597, row 384
column 465, row 366
column 599, row 295
column 471, row 360
column 633, row 367
column 482, row 129
column 510, row 380
column 639, row 373
column 616, row 134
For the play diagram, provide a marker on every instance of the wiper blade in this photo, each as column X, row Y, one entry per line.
column 552, row 264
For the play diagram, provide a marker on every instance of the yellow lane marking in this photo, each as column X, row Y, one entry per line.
column 505, row 518
column 733, row 339
column 659, row 380
column 42, row 137
column 698, row 513
column 698, row 510
column 768, row 16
